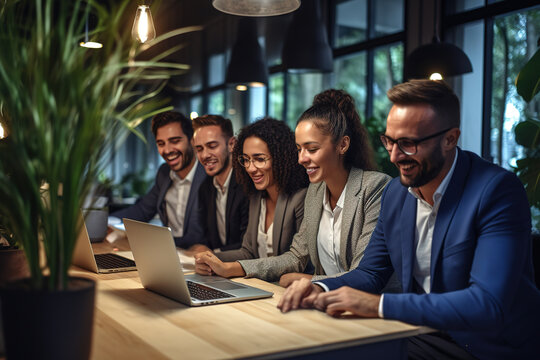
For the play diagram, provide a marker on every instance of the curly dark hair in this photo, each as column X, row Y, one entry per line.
column 288, row 174
column 334, row 113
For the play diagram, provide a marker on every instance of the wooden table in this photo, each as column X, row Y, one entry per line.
column 133, row 323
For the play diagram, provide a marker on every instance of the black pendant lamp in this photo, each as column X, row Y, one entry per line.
column 437, row 60
column 247, row 65
column 256, row 7
column 306, row 47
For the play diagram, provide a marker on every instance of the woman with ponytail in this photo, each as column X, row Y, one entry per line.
column 342, row 202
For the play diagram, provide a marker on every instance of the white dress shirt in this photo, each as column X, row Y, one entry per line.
column 264, row 238
column 426, row 216
column 328, row 238
column 176, row 200
column 221, row 207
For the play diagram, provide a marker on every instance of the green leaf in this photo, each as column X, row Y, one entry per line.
column 528, row 133
column 528, row 79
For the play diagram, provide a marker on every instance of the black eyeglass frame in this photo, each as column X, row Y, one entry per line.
column 248, row 160
column 385, row 139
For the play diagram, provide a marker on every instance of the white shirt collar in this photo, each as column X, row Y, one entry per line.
column 189, row 177
column 341, row 200
column 226, row 184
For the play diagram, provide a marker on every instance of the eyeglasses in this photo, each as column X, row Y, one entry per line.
column 257, row 161
column 406, row 145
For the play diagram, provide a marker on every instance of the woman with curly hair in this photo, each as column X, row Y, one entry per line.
column 269, row 172
column 342, row 202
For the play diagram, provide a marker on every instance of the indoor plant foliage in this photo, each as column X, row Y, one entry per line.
column 528, row 135
column 62, row 105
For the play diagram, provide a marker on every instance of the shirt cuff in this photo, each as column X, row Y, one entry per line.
column 381, row 315
column 323, row 285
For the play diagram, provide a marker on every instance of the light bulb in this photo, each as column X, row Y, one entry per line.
column 143, row 27
column 241, row 87
column 435, row 76
column 2, row 133
column 193, row 115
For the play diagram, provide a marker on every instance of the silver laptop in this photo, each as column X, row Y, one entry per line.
column 84, row 257
column 160, row 270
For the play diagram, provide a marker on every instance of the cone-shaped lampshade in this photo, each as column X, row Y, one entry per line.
column 306, row 46
column 248, row 64
column 437, row 57
column 256, row 7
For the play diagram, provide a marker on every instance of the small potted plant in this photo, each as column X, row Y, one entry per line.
column 62, row 105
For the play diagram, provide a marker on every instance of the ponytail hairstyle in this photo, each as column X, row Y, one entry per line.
column 333, row 112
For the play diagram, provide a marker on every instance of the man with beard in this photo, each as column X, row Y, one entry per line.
column 222, row 201
column 455, row 229
column 174, row 195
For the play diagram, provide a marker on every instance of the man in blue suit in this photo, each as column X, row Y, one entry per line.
column 455, row 229
column 174, row 195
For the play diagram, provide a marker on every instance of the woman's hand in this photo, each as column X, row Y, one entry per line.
column 287, row 279
column 206, row 263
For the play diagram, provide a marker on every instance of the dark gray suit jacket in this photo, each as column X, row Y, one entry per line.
column 360, row 214
column 236, row 214
column 288, row 216
column 154, row 202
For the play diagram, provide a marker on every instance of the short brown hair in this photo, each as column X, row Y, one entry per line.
column 435, row 93
column 217, row 120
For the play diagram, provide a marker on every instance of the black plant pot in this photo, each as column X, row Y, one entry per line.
column 48, row 324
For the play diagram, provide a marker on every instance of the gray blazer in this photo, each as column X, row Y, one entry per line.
column 360, row 214
column 288, row 216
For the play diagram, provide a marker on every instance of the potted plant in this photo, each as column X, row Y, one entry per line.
column 62, row 105
column 527, row 134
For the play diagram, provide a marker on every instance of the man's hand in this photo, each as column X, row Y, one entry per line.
column 344, row 299
column 287, row 279
column 300, row 293
column 197, row 248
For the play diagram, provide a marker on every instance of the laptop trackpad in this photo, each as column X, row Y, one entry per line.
column 226, row 285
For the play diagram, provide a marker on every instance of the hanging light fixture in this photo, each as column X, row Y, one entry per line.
column 143, row 29
column 306, row 47
column 436, row 60
column 247, row 65
column 87, row 43
column 256, row 7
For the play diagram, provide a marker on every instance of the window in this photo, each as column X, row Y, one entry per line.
column 276, row 95
column 350, row 75
column 301, row 90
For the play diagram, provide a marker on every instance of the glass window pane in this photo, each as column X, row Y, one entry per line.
column 469, row 87
column 458, row 6
column 196, row 106
column 301, row 90
column 234, row 103
column 216, row 70
column 276, row 97
column 350, row 75
column 388, row 17
column 388, row 65
column 257, row 103
column 216, row 102
column 515, row 39
column 351, row 22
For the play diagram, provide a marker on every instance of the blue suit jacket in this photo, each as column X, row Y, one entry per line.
column 482, row 288
column 154, row 202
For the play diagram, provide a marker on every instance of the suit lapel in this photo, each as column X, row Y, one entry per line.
column 200, row 175
column 279, row 215
column 313, row 214
column 354, row 185
column 407, row 231
column 231, row 193
column 447, row 209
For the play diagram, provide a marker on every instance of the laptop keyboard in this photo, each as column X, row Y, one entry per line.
column 202, row 292
column 112, row 261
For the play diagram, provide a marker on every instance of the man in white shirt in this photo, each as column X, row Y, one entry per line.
column 455, row 229
column 223, row 206
column 174, row 195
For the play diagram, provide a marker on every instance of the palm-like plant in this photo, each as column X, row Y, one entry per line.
column 62, row 105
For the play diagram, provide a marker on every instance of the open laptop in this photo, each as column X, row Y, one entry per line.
column 160, row 270
column 84, row 257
